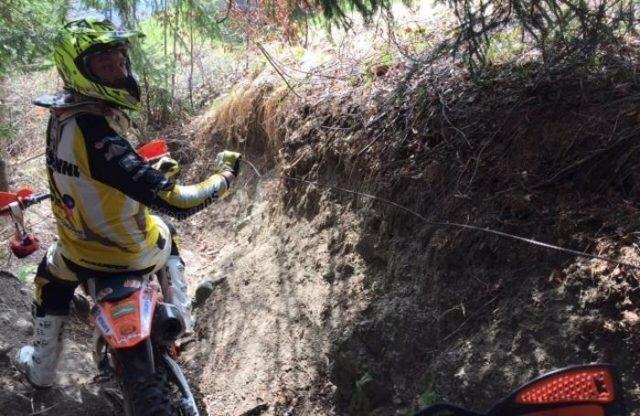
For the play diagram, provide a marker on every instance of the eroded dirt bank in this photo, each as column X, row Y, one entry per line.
column 336, row 304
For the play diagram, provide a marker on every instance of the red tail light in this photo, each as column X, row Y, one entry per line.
column 585, row 385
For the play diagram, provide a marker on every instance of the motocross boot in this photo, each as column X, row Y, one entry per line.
column 39, row 362
column 178, row 295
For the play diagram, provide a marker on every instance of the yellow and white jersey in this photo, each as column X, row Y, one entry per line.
column 102, row 191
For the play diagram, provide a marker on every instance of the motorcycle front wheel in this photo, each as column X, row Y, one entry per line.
column 144, row 382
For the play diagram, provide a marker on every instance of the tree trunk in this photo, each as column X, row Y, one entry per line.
column 4, row 182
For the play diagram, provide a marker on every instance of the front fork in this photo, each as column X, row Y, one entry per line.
column 163, row 279
column 174, row 289
column 175, row 372
column 143, row 361
column 108, row 360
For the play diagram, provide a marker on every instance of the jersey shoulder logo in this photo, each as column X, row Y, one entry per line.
column 113, row 147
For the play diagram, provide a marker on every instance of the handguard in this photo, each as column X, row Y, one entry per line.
column 156, row 153
column 26, row 246
column 23, row 244
column 12, row 204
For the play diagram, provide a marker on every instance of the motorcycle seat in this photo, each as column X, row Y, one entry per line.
column 118, row 287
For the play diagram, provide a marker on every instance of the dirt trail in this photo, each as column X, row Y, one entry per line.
column 265, row 333
column 75, row 392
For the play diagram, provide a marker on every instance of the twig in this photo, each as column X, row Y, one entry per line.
column 394, row 40
column 22, row 396
column 366, row 126
column 446, row 118
column 459, row 307
column 273, row 64
column 27, row 160
column 487, row 142
column 226, row 15
column 253, row 167
column 459, row 328
column 43, row 411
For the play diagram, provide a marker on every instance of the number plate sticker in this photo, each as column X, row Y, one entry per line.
column 122, row 310
column 103, row 324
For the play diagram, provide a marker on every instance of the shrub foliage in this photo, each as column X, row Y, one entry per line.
column 560, row 30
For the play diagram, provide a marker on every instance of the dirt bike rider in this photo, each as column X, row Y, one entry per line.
column 102, row 190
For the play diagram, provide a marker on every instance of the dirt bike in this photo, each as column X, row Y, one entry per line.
column 135, row 331
column 134, row 340
column 588, row 390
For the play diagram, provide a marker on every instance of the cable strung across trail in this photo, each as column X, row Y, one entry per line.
column 455, row 224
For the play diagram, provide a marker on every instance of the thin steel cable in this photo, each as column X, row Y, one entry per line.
column 455, row 224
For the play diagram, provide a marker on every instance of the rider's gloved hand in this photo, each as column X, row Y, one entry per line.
column 228, row 161
column 168, row 166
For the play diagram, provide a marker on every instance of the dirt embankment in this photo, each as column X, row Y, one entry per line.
column 337, row 304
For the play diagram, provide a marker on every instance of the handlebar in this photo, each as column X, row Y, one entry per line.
column 27, row 202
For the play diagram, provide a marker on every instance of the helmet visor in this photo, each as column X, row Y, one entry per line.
column 108, row 66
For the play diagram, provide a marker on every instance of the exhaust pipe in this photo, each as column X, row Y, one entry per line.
column 168, row 323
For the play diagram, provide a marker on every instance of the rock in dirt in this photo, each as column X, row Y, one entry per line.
column 82, row 307
column 24, row 326
column 370, row 393
column 5, row 349
column 256, row 411
column 205, row 289
column 329, row 275
column 8, row 275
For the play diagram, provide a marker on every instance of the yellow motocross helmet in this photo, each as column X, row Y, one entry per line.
column 80, row 39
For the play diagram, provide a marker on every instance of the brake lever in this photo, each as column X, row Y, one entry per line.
column 15, row 210
column 35, row 199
